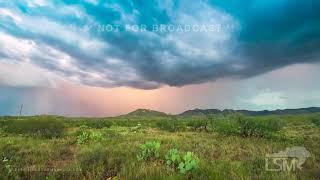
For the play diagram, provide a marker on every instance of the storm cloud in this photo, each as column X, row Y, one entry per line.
column 64, row 38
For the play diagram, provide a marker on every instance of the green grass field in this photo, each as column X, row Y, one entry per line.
column 139, row 146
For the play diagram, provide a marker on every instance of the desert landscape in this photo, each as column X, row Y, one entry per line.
column 146, row 144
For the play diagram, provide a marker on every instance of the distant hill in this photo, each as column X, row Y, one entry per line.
column 197, row 112
column 201, row 112
column 146, row 112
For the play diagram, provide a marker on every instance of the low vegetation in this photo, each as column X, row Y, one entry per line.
column 186, row 164
column 86, row 135
column 45, row 126
column 149, row 151
column 171, row 125
column 155, row 146
column 316, row 120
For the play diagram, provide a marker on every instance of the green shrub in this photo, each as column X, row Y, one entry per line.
column 225, row 126
column 251, row 127
column 7, row 166
column 42, row 126
column 316, row 121
column 99, row 124
column 7, row 169
column 111, row 133
column 96, row 123
column 247, row 126
column 8, row 160
column 185, row 164
column 149, row 151
column 198, row 124
column 84, row 135
column 188, row 163
column 171, row 125
column 172, row 158
column 125, row 123
column 96, row 136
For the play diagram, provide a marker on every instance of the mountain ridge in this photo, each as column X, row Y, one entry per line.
column 145, row 112
column 197, row 112
column 250, row 112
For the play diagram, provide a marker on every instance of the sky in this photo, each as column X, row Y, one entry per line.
column 109, row 57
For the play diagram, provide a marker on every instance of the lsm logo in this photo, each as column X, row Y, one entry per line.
column 288, row 160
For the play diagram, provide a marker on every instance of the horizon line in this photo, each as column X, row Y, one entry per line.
column 170, row 114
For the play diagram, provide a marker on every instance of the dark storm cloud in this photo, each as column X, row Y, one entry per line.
column 276, row 33
column 266, row 35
